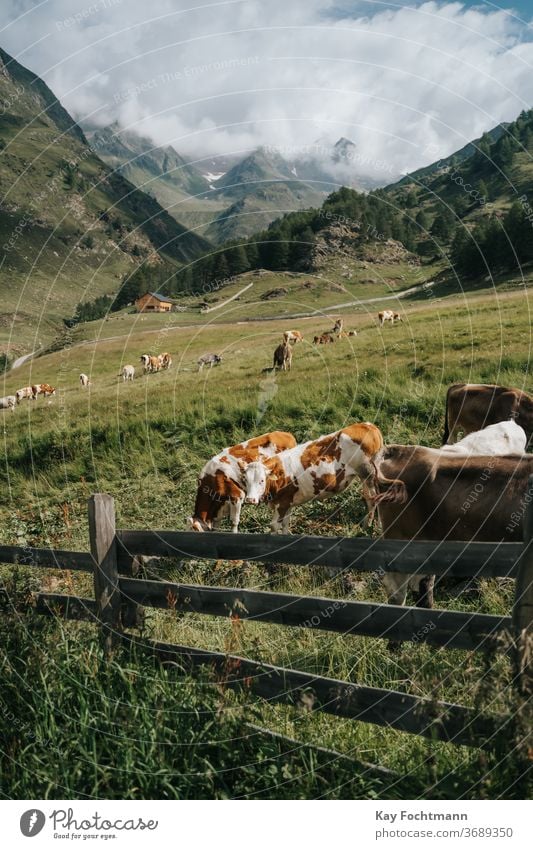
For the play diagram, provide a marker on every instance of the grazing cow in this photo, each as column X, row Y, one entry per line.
column 9, row 402
column 84, row 380
column 283, row 357
column 317, row 469
column 42, row 389
column 145, row 360
column 338, row 327
column 25, row 392
column 324, row 339
column 220, row 490
column 128, row 373
column 293, row 336
column 447, row 497
column 385, row 315
column 165, row 361
column 209, row 360
column 473, row 406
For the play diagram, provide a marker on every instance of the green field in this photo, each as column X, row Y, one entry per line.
column 145, row 443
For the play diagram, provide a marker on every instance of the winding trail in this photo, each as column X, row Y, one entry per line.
column 21, row 360
column 312, row 314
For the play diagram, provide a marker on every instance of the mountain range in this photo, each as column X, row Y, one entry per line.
column 227, row 196
column 83, row 207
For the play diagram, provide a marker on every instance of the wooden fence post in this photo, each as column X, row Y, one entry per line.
column 523, row 603
column 106, row 579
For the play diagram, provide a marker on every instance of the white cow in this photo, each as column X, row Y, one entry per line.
column 495, row 440
column 9, row 402
column 84, row 380
column 128, row 373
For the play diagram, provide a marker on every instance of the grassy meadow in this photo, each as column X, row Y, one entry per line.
column 144, row 443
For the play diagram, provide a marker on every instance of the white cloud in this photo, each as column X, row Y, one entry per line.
column 407, row 84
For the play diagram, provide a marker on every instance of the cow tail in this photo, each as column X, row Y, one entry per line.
column 446, row 433
column 395, row 492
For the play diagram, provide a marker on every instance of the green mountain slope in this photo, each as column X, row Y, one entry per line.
column 477, row 210
column 159, row 171
column 70, row 227
column 456, row 158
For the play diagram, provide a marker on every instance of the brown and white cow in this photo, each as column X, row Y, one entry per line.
column 165, row 360
column 445, row 496
column 42, row 389
column 473, row 406
column 324, row 339
column 317, row 469
column 85, row 380
column 220, row 489
column 293, row 336
column 385, row 315
column 24, row 392
column 283, row 357
column 145, row 360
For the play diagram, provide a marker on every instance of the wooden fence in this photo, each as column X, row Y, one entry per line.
column 119, row 597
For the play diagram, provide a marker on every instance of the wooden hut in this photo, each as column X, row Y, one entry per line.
column 152, row 302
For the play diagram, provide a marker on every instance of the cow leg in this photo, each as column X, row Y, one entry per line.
column 235, row 514
column 396, row 585
column 280, row 521
column 425, row 591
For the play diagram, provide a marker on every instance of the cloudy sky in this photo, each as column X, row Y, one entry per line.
column 408, row 83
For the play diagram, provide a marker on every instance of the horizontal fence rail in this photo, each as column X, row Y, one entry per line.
column 47, row 558
column 458, row 559
column 437, row 720
column 450, row 628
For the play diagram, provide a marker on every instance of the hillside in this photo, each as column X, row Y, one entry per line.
column 474, row 208
column 455, row 158
column 69, row 226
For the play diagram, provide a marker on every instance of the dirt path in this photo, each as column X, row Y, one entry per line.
column 21, row 360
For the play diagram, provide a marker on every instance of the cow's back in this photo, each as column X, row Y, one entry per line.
column 455, row 498
column 474, row 406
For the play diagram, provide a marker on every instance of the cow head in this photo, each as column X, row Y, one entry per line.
column 254, row 479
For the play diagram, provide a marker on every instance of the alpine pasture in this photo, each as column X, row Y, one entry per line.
column 144, row 442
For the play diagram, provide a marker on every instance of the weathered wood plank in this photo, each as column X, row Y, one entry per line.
column 453, row 629
column 47, row 558
column 66, row 606
column 361, row 554
column 413, row 714
column 523, row 602
column 104, row 552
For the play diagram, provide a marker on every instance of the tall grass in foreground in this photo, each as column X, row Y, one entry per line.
column 72, row 727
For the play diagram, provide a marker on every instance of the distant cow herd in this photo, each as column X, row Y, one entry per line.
column 470, row 489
